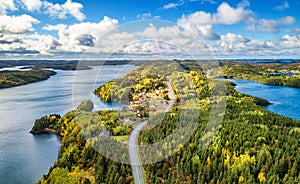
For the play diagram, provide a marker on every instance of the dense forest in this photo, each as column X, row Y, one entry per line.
column 249, row 145
column 17, row 78
column 266, row 73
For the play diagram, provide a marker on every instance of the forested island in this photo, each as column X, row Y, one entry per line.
column 253, row 145
column 17, row 78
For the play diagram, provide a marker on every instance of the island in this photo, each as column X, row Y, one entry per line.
column 251, row 144
column 17, row 78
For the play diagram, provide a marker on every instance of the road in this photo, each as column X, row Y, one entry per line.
column 136, row 166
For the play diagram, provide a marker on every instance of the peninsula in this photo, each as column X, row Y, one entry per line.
column 253, row 145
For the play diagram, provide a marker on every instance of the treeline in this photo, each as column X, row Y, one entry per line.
column 253, row 146
column 262, row 73
column 45, row 124
column 18, row 78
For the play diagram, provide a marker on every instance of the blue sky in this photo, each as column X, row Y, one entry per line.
column 149, row 29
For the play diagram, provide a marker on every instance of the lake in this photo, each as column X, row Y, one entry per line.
column 24, row 158
column 286, row 100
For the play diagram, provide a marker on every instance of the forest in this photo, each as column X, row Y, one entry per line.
column 266, row 73
column 18, row 78
column 249, row 145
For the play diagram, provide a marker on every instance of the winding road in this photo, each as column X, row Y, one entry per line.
column 137, row 170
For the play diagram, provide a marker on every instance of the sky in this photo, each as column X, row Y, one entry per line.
column 149, row 29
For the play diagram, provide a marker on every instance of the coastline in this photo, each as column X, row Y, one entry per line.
column 11, row 79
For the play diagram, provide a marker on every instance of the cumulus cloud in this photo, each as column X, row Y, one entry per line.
column 285, row 5
column 32, row 5
column 55, row 27
column 229, row 15
column 28, row 44
column 6, row 5
column 44, row 44
column 86, row 40
column 62, row 10
column 71, row 37
column 9, row 39
column 289, row 41
column 230, row 37
column 200, row 23
column 17, row 24
column 270, row 25
column 181, row 39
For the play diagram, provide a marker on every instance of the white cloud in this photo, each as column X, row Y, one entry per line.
column 229, row 15
column 6, row 5
column 62, row 10
column 270, row 25
column 243, row 4
column 32, row 5
column 54, row 27
column 285, row 5
column 10, row 39
column 28, row 44
column 199, row 23
column 288, row 41
column 17, row 24
column 296, row 30
column 70, row 37
column 205, row 1
column 44, row 44
column 144, row 16
column 181, row 39
column 173, row 5
column 202, row 22
column 147, row 16
column 229, row 37
column 170, row 5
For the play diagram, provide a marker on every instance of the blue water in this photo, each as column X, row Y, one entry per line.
column 24, row 158
column 286, row 99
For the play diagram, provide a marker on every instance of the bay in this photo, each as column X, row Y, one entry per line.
column 286, row 100
column 24, row 158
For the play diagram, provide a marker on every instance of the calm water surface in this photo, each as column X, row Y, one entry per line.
column 286, row 99
column 24, row 158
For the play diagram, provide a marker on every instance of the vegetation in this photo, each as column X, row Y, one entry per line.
column 45, row 124
column 64, row 64
column 252, row 145
column 18, row 78
column 272, row 74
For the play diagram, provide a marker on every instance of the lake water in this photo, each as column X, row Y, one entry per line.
column 24, row 158
column 286, row 99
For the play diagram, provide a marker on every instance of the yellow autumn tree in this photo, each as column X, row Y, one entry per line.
column 261, row 177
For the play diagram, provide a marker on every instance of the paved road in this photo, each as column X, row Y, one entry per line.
column 136, row 165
